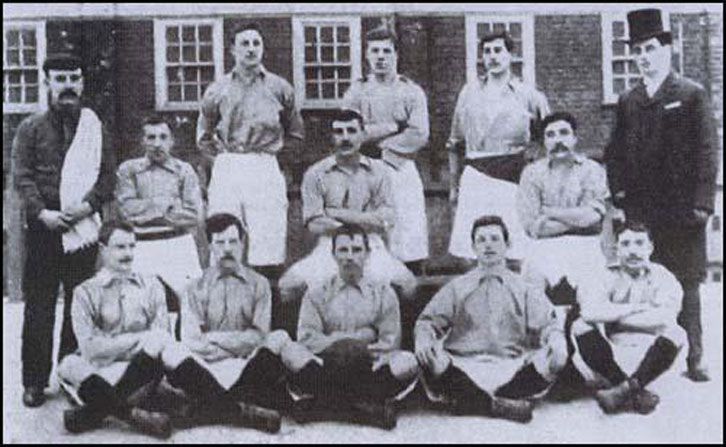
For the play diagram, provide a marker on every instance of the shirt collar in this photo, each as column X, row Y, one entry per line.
column 260, row 73
column 169, row 164
column 615, row 265
column 511, row 83
column 239, row 272
column 108, row 277
column 577, row 158
column 333, row 163
column 339, row 284
column 499, row 272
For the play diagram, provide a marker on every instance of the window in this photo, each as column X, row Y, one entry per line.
column 327, row 57
column 521, row 30
column 620, row 72
column 188, row 57
column 23, row 56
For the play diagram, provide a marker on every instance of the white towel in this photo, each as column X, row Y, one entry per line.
column 80, row 171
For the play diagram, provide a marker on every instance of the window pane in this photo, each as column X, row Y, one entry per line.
column 343, row 53
column 205, row 53
column 326, row 34
column 311, row 54
column 515, row 30
column 618, row 85
column 173, row 74
column 326, row 54
column 172, row 54
column 328, row 73
column 207, row 74
column 619, row 67
column 328, row 90
column 174, row 92
column 13, row 38
column 15, row 95
column 343, row 34
column 31, row 94
column 13, row 57
column 632, row 82
column 189, row 53
column 342, row 88
column 311, row 90
column 14, row 77
column 311, row 73
column 190, row 92
column 500, row 27
column 31, row 77
column 344, row 73
column 29, row 58
column 618, row 48
column 482, row 29
column 190, row 74
column 205, row 33
column 172, row 34
column 633, row 68
column 618, row 29
column 188, row 33
column 517, row 49
column 310, row 34
column 29, row 38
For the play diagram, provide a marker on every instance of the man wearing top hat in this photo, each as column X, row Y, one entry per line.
column 64, row 171
column 662, row 163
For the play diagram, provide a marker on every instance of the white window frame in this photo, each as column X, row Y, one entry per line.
column 607, row 19
column 162, row 100
column 472, row 42
column 40, row 51
column 298, row 55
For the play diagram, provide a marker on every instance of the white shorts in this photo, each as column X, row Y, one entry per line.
column 578, row 258
column 251, row 187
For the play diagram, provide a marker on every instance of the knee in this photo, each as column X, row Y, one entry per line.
column 74, row 369
column 403, row 365
column 295, row 356
column 276, row 340
column 676, row 335
column 173, row 354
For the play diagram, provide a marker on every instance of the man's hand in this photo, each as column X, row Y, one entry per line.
column 54, row 220
column 700, row 216
column 77, row 212
column 434, row 359
column 215, row 354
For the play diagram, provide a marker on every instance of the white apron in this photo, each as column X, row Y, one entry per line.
column 409, row 238
column 251, row 187
column 578, row 258
column 175, row 260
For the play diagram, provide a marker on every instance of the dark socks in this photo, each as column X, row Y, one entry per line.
column 467, row 395
column 598, row 355
column 102, row 398
column 262, row 382
column 143, row 369
column 657, row 360
column 526, row 383
column 311, row 379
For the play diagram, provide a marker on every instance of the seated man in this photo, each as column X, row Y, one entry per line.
column 121, row 323
column 160, row 196
column 561, row 205
column 637, row 304
column 347, row 188
column 350, row 328
column 487, row 340
column 226, row 320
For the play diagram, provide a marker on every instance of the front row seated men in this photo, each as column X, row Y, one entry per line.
column 121, row 322
column 629, row 323
column 351, row 366
column 487, row 340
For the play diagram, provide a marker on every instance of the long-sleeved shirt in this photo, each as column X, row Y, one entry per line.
column 398, row 103
column 250, row 115
column 482, row 312
column 584, row 184
column 151, row 194
column 39, row 149
column 336, row 306
column 108, row 305
column 493, row 121
column 367, row 189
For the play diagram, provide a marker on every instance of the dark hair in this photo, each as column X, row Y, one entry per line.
column 246, row 27
column 485, row 221
column 383, row 33
column 346, row 115
column 107, row 229
column 636, row 226
column 216, row 223
column 351, row 230
column 494, row 35
column 558, row 116
column 156, row 119
column 62, row 61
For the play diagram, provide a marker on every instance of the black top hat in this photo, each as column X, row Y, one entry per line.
column 645, row 24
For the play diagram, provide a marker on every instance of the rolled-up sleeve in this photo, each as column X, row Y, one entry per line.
column 291, row 119
column 132, row 207
column 595, row 188
column 310, row 328
column 312, row 197
column 529, row 202
column 416, row 134
column 388, row 323
column 436, row 318
column 382, row 202
column 86, row 331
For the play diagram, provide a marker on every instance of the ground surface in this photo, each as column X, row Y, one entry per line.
column 688, row 412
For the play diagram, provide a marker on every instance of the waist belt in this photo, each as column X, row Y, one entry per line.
column 503, row 167
column 159, row 235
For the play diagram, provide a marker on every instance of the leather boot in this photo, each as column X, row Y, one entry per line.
column 617, row 398
column 152, row 423
column 82, row 419
column 375, row 414
column 259, row 418
column 644, row 401
column 511, row 409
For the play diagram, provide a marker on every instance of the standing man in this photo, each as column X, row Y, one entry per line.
column 159, row 195
column 64, row 164
column 250, row 115
column 397, row 124
column 662, row 162
column 492, row 122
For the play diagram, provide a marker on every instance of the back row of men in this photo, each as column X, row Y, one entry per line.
column 661, row 166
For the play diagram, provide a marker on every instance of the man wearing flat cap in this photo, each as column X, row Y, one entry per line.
column 662, row 163
column 64, row 171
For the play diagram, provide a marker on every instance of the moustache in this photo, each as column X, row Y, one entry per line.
column 634, row 258
column 67, row 94
column 559, row 147
column 228, row 256
column 124, row 260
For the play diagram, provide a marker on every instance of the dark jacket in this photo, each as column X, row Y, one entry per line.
column 663, row 155
column 39, row 148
